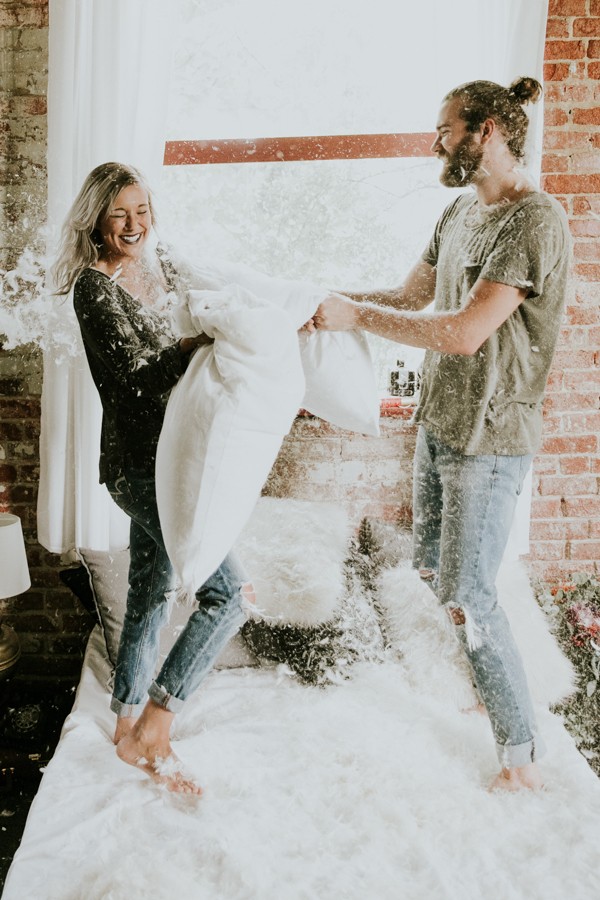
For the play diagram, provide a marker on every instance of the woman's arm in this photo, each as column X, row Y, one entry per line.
column 125, row 345
column 187, row 345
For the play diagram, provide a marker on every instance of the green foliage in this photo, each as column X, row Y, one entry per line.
column 574, row 610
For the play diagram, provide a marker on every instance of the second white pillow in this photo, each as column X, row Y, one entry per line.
column 294, row 553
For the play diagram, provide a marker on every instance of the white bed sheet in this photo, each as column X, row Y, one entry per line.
column 367, row 789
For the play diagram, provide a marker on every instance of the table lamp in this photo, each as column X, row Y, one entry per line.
column 14, row 579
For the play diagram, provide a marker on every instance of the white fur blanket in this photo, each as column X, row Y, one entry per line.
column 373, row 788
column 294, row 553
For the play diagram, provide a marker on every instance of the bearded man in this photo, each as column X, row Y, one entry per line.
column 496, row 270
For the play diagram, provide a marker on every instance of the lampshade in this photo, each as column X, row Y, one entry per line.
column 14, row 572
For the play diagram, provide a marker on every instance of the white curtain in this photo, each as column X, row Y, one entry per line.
column 109, row 71
column 525, row 52
column 525, row 41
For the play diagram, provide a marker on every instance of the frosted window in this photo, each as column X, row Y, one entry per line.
column 269, row 68
column 272, row 69
column 347, row 224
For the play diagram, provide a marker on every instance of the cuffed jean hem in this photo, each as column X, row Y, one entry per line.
column 162, row 698
column 125, row 710
column 513, row 756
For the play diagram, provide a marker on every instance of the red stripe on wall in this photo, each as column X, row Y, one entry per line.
column 293, row 149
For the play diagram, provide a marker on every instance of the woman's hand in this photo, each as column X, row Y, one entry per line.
column 309, row 326
column 188, row 344
column 337, row 313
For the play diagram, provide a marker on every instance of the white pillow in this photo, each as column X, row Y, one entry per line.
column 228, row 414
column 223, row 427
column 294, row 553
column 340, row 379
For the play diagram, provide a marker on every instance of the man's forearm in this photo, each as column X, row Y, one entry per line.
column 433, row 331
column 462, row 331
column 394, row 298
column 415, row 293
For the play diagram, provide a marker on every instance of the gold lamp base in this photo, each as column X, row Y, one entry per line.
column 10, row 650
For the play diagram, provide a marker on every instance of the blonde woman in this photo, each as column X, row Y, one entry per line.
column 119, row 292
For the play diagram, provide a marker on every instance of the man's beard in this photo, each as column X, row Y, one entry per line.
column 462, row 164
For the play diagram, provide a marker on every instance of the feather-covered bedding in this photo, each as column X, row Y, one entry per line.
column 370, row 788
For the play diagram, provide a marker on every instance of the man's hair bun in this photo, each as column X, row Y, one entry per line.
column 525, row 90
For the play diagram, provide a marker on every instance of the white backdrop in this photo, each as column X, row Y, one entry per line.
column 109, row 75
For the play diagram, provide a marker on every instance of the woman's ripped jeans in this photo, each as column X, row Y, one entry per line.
column 214, row 618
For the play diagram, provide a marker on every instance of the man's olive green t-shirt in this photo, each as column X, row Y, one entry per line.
column 491, row 402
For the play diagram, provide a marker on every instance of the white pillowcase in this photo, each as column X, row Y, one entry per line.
column 228, row 414
column 340, row 379
column 223, row 427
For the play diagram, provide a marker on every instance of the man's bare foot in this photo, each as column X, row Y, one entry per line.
column 123, row 727
column 518, row 778
column 146, row 746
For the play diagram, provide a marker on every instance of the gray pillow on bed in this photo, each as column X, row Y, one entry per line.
column 108, row 573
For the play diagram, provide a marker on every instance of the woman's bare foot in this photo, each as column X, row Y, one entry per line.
column 518, row 778
column 478, row 708
column 146, row 746
column 123, row 727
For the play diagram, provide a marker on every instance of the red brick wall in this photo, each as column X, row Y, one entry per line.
column 369, row 477
column 566, row 505
column 48, row 617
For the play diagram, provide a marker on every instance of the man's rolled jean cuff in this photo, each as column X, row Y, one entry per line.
column 125, row 710
column 162, row 698
column 517, row 755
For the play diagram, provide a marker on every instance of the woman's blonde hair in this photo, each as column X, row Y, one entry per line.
column 80, row 239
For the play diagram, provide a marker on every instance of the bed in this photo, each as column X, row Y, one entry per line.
column 370, row 783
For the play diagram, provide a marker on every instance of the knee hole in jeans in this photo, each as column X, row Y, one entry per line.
column 461, row 617
column 426, row 574
column 248, row 593
column 457, row 615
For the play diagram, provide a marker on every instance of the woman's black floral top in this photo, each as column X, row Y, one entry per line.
column 135, row 361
